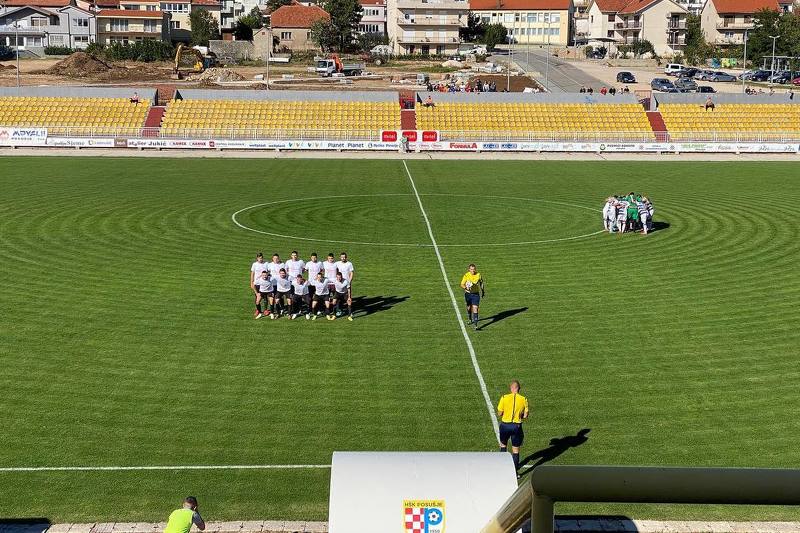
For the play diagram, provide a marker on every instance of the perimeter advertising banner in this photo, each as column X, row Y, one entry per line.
column 23, row 136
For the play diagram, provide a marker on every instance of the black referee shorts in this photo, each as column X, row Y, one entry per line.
column 513, row 432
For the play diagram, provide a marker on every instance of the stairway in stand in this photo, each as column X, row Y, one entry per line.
column 658, row 126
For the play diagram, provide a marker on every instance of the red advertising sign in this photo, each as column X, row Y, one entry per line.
column 388, row 136
column 411, row 135
column 430, row 136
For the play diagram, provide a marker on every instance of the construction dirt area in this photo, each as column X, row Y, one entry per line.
column 80, row 69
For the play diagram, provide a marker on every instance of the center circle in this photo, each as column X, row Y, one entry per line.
column 380, row 218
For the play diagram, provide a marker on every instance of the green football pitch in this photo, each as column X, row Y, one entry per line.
column 127, row 336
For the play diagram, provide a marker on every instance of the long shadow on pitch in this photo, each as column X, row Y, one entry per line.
column 367, row 305
column 557, row 447
column 502, row 315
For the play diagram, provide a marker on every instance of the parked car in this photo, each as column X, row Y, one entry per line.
column 722, row 76
column 781, row 77
column 687, row 72
column 672, row 68
column 597, row 53
column 796, row 81
column 625, row 77
column 475, row 50
column 455, row 57
column 706, row 89
column 686, row 84
column 703, row 74
column 663, row 85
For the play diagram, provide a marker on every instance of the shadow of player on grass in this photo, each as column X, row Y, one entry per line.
column 502, row 315
column 367, row 305
column 557, row 447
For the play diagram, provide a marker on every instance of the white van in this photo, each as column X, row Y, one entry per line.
column 672, row 68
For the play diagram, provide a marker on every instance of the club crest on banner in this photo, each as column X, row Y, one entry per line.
column 423, row 516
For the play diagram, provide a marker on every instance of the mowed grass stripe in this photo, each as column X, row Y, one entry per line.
column 675, row 348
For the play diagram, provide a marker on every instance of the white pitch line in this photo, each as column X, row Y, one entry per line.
column 456, row 308
column 156, row 467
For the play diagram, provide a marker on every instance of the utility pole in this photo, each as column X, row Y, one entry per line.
column 772, row 65
column 16, row 47
column 744, row 66
column 547, row 59
column 269, row 51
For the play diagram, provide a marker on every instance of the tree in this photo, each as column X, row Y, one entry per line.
column 495, row 34
column 247, row 23
column 474, row 30
column 324, row 35
column 204, row 27
column 765, row 23
column 697, row 50
column 273, row 5
column 368, row 41
column 345, row 16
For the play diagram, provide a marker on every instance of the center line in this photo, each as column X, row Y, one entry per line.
column 456, row 309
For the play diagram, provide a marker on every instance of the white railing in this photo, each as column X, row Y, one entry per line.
column 213, row 133
column 618, row 136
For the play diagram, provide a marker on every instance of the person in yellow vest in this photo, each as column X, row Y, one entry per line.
column 512, row 410
column 181, row 520
column 472, row 283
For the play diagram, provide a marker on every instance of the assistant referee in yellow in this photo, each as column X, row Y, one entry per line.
column 512, row 410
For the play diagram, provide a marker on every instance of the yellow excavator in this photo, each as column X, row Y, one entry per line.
column 203, row 59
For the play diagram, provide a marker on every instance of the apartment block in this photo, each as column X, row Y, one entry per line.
column 529, row 21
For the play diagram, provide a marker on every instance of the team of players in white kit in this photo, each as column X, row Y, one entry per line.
column 281, row 289
column 631, row 212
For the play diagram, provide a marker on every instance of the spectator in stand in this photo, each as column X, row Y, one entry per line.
column 612, row 91
column 709, row 105
column 590, row 90
column 603, row 90
column 583, row 89
column 135, row 98
column 626, row 90
column 429, row 102
column 791, row 94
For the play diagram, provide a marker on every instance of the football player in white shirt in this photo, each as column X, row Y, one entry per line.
column 300, row 297
column 346, row 268
column 283, row 293
column 275, row 266
column 313, row 267
column 262, row 286
column 256, row 269
column 321, row 296
column 330, row 271
column 342, row 295
column 295, row 265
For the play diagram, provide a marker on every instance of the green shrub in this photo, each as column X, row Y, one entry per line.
column 95, row 49
column 140, row 51
column 57, row 50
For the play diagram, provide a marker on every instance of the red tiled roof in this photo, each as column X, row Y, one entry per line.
column 212, row 3
column 636, row 6
column 372, row 2
column 611, row 6
column 533, row 5
column 744, row 6
column 297, row 16
column 39, row 3
column 130, row 13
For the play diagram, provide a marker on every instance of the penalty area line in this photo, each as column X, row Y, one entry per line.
column 155, row 467
column 456, row 309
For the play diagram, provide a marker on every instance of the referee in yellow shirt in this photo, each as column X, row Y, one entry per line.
column 472, row 283
column 512, row 409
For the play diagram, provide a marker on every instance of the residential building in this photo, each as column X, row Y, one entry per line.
column 425, row 26
column 726, row 21
column 129, row 25
column 373, row 16
column 529, row 21
column 292, row 25
column 39, row 27
column 662, row 22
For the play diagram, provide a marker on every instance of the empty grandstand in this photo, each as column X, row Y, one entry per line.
column 535, row 117
column 76, row 111
column 732, row 118
column 281, row 115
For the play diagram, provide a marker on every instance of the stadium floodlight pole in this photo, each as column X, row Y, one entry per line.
column 744, row 64
column 772, row 65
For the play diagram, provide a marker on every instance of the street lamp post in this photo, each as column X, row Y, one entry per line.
column 16, row 47
column 744, row 64
column 547, row 58
column 772, row 65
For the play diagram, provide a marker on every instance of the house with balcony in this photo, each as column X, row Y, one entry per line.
column 32, row 28
column 425, row 27
column 132, row 25
column 373, row 16
column 529, row 21
column 662, row 22
column 725, row 22
column 292, row 25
